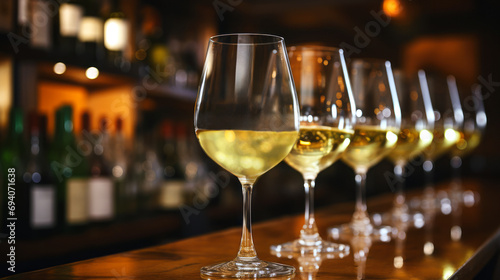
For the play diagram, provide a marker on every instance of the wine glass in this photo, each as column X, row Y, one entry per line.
column 247, row 121
column 417, row 124
column 448, row 118
column 326, row 126
column 470, row 134
column 378, row 121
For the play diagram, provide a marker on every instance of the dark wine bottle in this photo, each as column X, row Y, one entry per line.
column 71, row 172
column 101, row 187
column 40, row 193
column 173, row 183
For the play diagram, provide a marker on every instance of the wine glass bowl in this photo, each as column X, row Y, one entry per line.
column 326, row 125
column 247, row 120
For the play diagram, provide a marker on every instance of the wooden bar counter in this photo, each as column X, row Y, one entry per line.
column 475, row 256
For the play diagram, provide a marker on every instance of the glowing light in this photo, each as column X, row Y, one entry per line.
column 426, row 136
column 448, row 271
column 115, row 34
column 59, row 68
column 451, row 135
column 428, row 165
column 117, row 171
column 398, row 262
column 429, row 249
column 392, row 8
column 418, row 220
column 92, row 73
column 456, row 233
column 392, row 138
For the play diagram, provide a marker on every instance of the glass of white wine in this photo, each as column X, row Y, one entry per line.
column 417, row 126
column 247, row 121
column 448, row 118
column 378, row 122
column 417, row 123
column 470, row 133
column 326, row 126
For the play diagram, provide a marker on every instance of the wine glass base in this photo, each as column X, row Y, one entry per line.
column 319, row 247
column 346, row 232
column 412, row 219
column 253, row 268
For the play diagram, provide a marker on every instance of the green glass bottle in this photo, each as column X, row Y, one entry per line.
column 71, row 172
column 12, row 158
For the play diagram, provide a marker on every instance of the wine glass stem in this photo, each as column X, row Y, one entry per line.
column 309, row 230
column 247, row 249
column 399, row 200
column 360, row 217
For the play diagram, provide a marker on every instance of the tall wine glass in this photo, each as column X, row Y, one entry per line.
column 247, row 120
column 417, row 124
column 378, row 121
column 470, row 136
column 326, row 126
column 449, row 118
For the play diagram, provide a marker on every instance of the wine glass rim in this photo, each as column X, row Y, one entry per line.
column 274, row 39
column 314, row 48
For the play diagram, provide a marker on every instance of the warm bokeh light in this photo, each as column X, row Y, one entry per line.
column 451, row 135
column 448, row 271
column 59, row 68
column 429, row 248
column 92, row 73
column 115, row 34
column 398, row 262
column 392, row 8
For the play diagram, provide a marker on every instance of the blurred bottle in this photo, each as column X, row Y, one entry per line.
column 41, row 23
column 22, row 21
column 146, row 171
column 12, row 155
column 70, row 17
column 91, row 32
column 101, row 191
column 40, row 194
column 173, row 184
column 125, row 190
column 70, row 170
column 14, row 149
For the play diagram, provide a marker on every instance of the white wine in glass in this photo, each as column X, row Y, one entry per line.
column 326, row 127
column 378, row 122
column 449, row 118
column 247, row 121
column 416, row 134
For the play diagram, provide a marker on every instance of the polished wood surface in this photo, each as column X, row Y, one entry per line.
column 182, row 260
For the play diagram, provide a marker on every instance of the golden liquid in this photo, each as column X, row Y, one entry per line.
column 411, row 143
column 369, row 145
column 317, row 148
column 467, row 143
column 442, row 142
column 246, row 153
